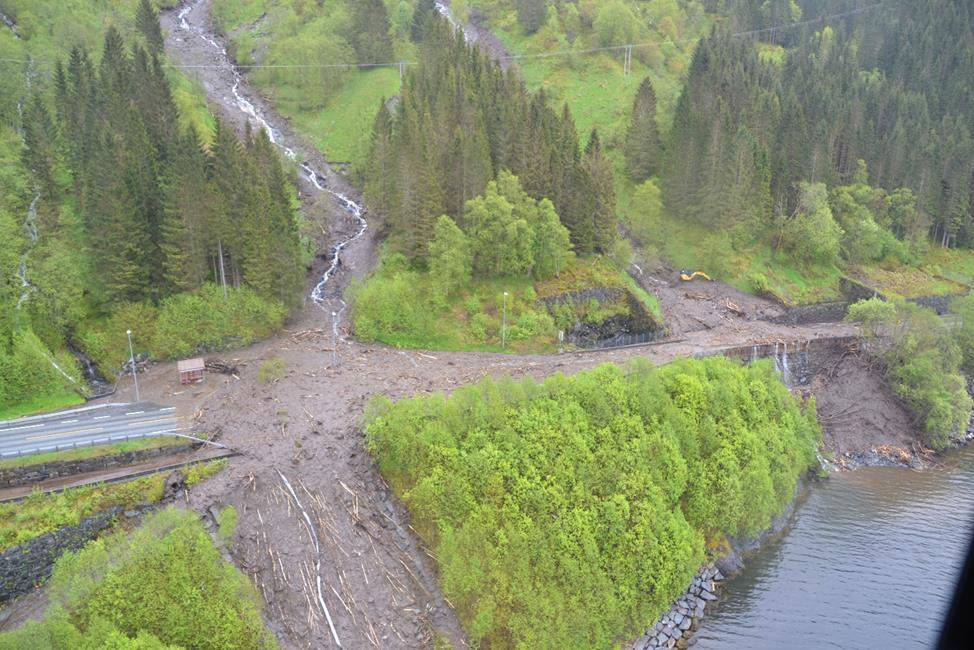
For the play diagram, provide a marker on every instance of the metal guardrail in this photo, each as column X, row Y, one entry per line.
column 106, row 441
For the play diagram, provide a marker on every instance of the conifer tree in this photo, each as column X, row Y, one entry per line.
column 601, row 188
column 380, row 186
column 531, row 14
column 642, row 148
column 147, row 22
column 370, row 26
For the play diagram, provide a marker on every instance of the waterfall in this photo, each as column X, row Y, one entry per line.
column 313, row 176
column 30, row 222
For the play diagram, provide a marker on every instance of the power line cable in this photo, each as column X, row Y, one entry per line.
column 509, row 57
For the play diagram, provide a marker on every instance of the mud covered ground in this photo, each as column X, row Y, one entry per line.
column 863, row 423
column 701, row 304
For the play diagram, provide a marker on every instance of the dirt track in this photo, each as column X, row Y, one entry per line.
column 378, row 582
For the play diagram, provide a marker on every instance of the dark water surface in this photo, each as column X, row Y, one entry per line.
column 870, row 562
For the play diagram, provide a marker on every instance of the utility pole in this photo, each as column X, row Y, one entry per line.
column 504, row 324
column 135, row 377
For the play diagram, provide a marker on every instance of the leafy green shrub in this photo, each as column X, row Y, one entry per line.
column 963, row 309
column 759, row 283
column 482, row 325
column 165, row 583
column 190, row 323
column 226, row 522
column 388, row 308
column 271, row 370
column 812, row 236
column 201, row 471
column 570, row 513
column 184, row 324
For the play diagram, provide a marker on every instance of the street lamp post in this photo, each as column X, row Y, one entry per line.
column 334, row 338
column 504, row 323
column 135, row 377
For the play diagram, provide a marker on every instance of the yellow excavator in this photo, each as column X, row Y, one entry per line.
column 687, row 276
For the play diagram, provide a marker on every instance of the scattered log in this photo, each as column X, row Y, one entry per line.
column 734, row 309
column 220, row 366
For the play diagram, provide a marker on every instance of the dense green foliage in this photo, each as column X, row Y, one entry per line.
column 459, row 122
column 162, row 586
column 207, row 320
column 114, row 198
column 570, row 513
column 923, row 364
column 963, row 308
column 873, row 88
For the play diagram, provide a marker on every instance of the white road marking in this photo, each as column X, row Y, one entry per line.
column 135, row 413
column 27, row 426
column 68, row 421
column 102, row 417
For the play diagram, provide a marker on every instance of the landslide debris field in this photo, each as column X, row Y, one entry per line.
column 318, row 527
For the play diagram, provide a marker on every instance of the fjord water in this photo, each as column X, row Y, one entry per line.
column 869, row 562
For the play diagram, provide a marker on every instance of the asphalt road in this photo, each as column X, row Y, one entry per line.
column 101, row 424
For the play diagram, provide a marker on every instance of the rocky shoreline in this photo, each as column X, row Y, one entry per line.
column 676, row 627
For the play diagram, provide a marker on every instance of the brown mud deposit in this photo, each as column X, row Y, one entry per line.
column 863, row 423
column 700, row 304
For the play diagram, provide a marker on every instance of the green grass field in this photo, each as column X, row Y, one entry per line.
column 342, row 129
column 42, row 404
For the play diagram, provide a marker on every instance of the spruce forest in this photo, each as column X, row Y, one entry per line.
column 130, row 213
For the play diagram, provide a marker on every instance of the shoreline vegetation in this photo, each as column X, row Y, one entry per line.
column 610, row 488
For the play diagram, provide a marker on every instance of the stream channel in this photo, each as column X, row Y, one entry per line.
column 870, row 561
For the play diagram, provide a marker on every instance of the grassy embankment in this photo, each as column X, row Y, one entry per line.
column 163, row 585
column 42, row 404
column 40, row 514
column 571, row 513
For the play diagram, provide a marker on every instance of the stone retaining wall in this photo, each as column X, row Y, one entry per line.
column 677, row 625
column 24, row 567
column 30, row 474
column 639, row 326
